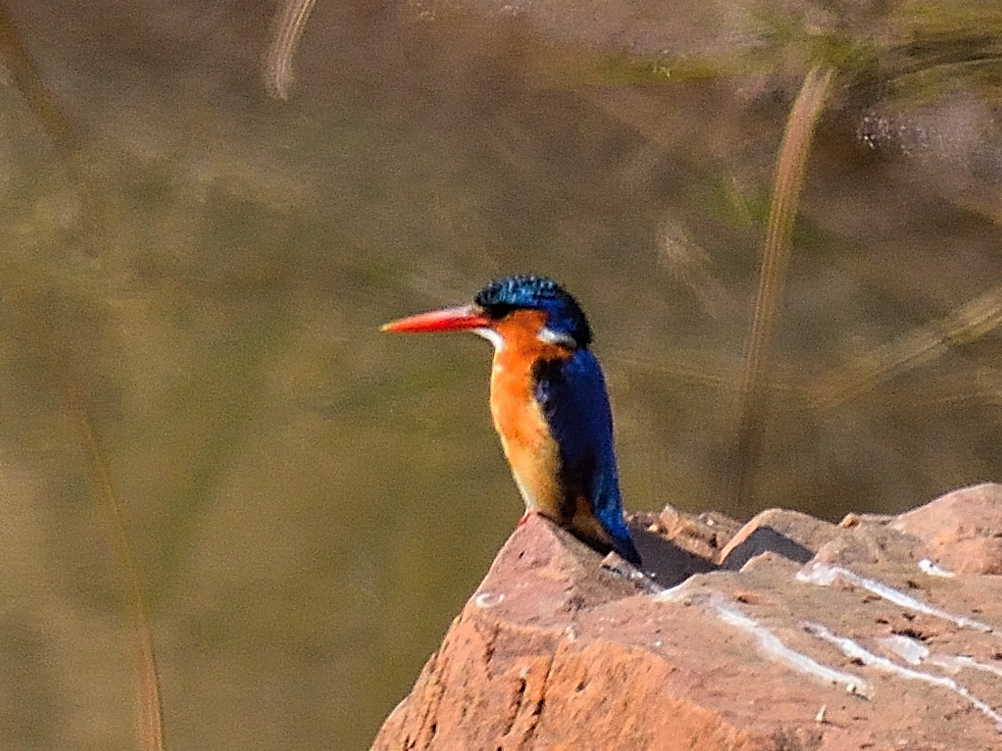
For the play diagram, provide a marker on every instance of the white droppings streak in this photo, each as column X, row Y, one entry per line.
column 956, row 662
column 915, row 652
column 488, row 599
column 854, row 651
column 774, row 647
column 928, row 567
column 768, row 643
column 910, row 650
column 825, row 574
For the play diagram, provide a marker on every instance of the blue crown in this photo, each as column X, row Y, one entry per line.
column 563, row 314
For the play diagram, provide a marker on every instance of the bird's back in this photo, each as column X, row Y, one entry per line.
column 572, row 396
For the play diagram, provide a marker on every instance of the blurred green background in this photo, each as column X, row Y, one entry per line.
column 194, row 271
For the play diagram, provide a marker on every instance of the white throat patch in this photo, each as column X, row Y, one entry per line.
column 492, row 336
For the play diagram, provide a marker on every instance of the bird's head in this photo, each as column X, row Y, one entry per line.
column 522, row 305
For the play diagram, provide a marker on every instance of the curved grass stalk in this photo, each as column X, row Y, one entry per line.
column 790, row 167
column 967, row 323
column 149, row 715
column 288, row 30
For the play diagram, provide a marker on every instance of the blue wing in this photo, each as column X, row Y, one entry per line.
column 571, row 393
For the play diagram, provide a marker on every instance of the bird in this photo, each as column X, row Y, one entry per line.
column 548, row 402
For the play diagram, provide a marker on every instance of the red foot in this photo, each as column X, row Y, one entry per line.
column 524, row 518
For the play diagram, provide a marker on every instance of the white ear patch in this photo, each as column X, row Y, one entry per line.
column 549, row 336
column 492, row 336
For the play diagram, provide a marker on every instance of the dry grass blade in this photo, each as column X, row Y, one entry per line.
column 289, row 25
column 25, row 77
column 919, row 346
column 149, row 713
column 790, row 168
column 67, row 135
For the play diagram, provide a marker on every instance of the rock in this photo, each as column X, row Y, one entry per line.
column 703, row 536
column 962, row 531
column 790, row 634
column 790, row 534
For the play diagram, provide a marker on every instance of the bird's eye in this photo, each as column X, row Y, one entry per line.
column 498, row 311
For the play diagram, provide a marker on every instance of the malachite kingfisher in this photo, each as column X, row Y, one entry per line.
column 549, row 404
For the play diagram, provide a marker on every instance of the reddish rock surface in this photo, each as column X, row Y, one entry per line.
column 786, row 634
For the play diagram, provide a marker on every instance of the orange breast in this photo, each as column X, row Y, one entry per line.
column 530, row 449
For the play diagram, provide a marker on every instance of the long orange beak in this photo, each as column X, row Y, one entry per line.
column 448, row 319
